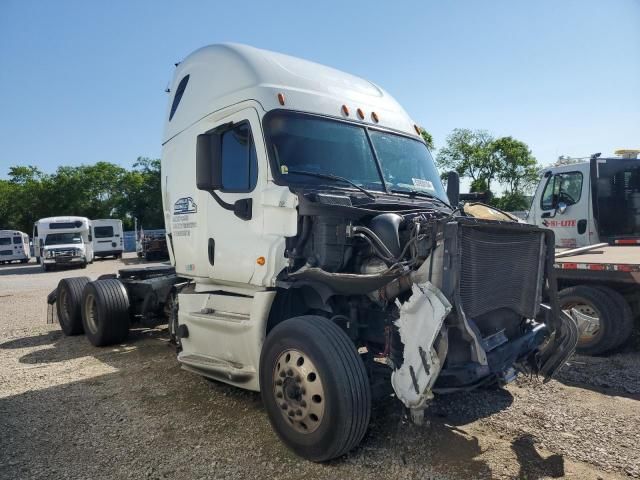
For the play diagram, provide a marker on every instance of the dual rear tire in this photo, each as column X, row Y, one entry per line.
column 603, row 315
column 100, row 309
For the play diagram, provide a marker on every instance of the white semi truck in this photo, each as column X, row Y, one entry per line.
column 14, row 247
column 63, row 241
column 316, row 257
column 593, row 207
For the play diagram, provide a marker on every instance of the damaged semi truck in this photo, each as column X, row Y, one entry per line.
column 319, row 260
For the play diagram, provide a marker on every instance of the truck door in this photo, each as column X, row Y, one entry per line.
column 233, row 241
column 563, row 206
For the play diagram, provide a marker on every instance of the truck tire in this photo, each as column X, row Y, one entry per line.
column 314, row 387
column 68, row 304
column 105, row 312
column 623, row 317
column 592, row 302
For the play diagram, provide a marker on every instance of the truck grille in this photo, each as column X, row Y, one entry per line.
column 64, row 252
column 501, row 268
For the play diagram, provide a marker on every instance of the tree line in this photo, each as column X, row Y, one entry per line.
column 106, row 190
column 103, row 190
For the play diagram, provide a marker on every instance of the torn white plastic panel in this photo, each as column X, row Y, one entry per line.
column 421, row 318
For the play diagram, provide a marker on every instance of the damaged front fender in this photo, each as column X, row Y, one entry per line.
column 421, row 320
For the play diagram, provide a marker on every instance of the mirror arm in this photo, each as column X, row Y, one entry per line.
column 241, row 208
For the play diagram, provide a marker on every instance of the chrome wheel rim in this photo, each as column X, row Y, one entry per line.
column 90, row 313
column 587, row 319
column 298, row 391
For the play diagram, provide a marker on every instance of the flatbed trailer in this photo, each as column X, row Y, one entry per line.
column 600, row 288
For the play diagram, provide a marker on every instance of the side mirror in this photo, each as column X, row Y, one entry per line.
column 562, row 207
column 209, row 162
column 453, row 188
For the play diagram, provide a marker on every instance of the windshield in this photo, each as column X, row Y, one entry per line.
column 312, row 144
column 406, row 164
column 63, row 238
column 5, row 241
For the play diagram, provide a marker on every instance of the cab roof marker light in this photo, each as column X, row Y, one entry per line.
column 417, row 129
column 281, row 98
column 345, row 110
column 360, row 114
column 374, row 116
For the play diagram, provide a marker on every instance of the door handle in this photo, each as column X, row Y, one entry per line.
column 211, row 250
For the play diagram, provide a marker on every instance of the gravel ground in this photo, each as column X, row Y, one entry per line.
column 69, row 410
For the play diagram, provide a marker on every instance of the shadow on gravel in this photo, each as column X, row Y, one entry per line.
column 534, row 466
column 28, row 269
column 61, row 348
column 34, row 341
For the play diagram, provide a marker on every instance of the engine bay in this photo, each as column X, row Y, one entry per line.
column 470, row 291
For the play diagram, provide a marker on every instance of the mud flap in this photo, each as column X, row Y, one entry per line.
column 560, row 346
column 421, row 319
column 52, row 314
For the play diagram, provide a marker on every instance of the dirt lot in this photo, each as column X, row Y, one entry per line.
column 69, row 410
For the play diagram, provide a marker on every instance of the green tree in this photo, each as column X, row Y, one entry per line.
column 469, row 153
column 518, row 168
column 142, row 197
column 428, row 139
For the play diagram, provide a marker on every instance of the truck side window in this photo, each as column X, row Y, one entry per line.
column 178, row 96
column 562, row 187
column 239, row 161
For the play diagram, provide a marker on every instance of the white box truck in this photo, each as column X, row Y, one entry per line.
column 317, row 258
column 63, row 241
column 108, row 238
column 14, row 247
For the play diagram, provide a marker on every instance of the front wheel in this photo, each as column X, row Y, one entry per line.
column 314, row 387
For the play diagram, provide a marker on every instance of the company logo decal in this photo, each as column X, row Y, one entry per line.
column 184, row 205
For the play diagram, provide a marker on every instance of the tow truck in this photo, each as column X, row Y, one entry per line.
column 593, row 207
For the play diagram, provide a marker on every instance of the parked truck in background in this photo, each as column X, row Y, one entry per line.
column 14, row 247
column 317, row 258
column 108, row 237
column 590, row 202
column 595, row 206
column 63, row 241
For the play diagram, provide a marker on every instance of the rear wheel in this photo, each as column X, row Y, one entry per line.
column 595, row 313
column 314, row 387
column 68, row 304
column 105, row 312
column 623, row 317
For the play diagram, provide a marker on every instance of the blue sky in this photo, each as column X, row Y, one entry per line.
column 84, row 81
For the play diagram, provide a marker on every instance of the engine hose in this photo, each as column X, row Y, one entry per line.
column 379, row 243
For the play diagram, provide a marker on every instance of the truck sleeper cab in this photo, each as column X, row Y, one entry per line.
column 108, row 238
column 14, row 247
column 318, row 259
column 63, row 241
